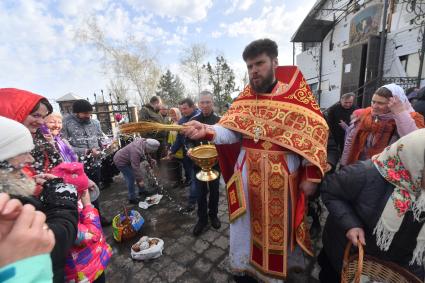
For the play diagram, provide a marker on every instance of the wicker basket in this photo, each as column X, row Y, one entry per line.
column 377, row 270
column 125, row 226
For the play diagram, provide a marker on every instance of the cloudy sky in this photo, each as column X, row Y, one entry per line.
column 39, row 51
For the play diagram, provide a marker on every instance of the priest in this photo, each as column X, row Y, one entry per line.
column 272, row 153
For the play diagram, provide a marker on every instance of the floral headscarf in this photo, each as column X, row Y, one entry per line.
column 402, row 164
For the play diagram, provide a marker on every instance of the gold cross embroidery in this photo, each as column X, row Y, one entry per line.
column 257, row 132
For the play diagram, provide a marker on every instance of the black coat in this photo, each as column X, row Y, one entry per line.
column 333, row 152
column 59, row 202
column 355, row 197
column 336, row 113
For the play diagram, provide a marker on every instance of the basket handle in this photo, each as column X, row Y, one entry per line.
column 360, row 260
column 125, row 212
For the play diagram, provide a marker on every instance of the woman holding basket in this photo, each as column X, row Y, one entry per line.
column 379, row 203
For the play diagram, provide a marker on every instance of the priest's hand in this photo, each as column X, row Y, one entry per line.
column 308, row 187
column 194, row 130
column 355, row 235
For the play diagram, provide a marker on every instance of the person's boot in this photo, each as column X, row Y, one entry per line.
column 199, row 228
column 215, row 222
column 134, row 201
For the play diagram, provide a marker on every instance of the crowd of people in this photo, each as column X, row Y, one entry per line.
column 277, row 153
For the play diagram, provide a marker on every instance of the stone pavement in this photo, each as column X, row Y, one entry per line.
column 185, row 258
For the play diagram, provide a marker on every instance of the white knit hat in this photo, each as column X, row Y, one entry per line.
column 151, row 145
column 15, row 139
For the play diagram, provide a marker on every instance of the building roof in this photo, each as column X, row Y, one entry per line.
column 69, row 97
column 312, row 29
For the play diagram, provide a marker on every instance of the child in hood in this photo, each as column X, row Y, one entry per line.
column 90, row 254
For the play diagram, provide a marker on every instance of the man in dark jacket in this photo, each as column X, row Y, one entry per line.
column 85, row 136
column 339, row 117
column 205, row 208
column 151, row 113
column 188, row 110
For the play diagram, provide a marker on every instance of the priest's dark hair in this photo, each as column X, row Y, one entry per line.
column 259, row 47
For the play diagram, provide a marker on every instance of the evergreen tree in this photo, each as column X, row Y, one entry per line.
column 222, row 78
column 170, row 89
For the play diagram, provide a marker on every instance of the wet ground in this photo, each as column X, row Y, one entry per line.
column 185, row 258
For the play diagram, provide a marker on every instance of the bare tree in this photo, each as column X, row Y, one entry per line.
column 192, row 63
column 119, row 89
column 129, row 61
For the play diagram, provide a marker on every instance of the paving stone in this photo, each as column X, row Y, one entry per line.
column 159, row 263
column 156, row 280
column 144, row 275
column 222, row 242
column 126, row 264
column 203, row 265
column 224, row 264
column 187, row 240
column 189, row 279
column 172, row 271
column 200, row 246
column 176, row 249
column 224, row 219
column 219, row 277
column 223, row 227
column 117, row 277
column 213, row 253
column 210, row 235
column 186, row 257
column 189, row 226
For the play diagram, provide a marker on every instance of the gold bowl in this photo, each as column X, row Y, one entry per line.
column 205, row 156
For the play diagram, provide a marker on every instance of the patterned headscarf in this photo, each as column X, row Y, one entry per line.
column 402, row 164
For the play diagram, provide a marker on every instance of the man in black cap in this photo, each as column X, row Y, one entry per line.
column 85, row 136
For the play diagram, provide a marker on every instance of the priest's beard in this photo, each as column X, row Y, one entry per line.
column 264, row 85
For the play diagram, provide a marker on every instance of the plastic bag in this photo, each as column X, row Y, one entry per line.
column 147, row 248
column 149, row 201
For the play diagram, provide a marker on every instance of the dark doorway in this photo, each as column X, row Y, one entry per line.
column 359, row 70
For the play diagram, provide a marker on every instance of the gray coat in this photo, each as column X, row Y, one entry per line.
column 82, row 135
column 132, row 155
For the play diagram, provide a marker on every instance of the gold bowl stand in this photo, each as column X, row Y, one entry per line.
column 205, row 156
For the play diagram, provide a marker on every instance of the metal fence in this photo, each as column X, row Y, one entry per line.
column 404, row 82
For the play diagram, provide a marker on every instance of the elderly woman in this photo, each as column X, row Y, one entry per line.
column 175, row 116
column 52, row 134
column 390, row 117
column 379, row 203
column 128, row 160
